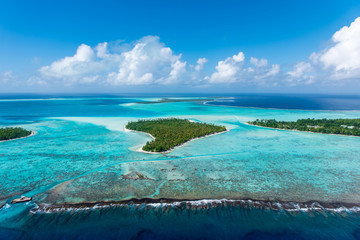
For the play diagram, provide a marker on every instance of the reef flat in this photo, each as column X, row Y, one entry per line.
column 82, row 158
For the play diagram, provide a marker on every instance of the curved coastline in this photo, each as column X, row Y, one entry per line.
column 168, row 151
column 31, row 134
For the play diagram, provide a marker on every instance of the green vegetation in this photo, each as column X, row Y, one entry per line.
column 172, row 132
column 13, row 133
column 329, row 126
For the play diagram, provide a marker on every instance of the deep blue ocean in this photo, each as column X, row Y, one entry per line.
column 294, row 101
column 73, row 159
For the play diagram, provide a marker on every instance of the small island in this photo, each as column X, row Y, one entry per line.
column 172, row 132
column 10, row 133
column 327, row 126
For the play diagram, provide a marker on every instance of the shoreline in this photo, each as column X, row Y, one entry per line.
column 195, row 204
column 31, row 134
column 294, row 130
column 170, row 150
column 140, row 149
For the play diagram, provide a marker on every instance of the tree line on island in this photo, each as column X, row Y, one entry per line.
column 9, row 133
column 328, row 126
column 172, row 132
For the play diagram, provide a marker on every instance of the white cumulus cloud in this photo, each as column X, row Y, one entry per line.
column 6, row 76
column 302, row 72
column 268, row 72
column 200, row 64
column 339, row 62
column 147, row 61
column 233, row 70
column 300, row 69
column 343, row 58
column 227, row 71
column 82, row 62
column 259, row 62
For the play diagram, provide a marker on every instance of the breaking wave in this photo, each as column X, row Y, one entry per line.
column 205, row 204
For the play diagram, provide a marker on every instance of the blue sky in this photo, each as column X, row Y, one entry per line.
column 36, row 34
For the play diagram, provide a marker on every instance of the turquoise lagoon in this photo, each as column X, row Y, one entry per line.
column 81, row 154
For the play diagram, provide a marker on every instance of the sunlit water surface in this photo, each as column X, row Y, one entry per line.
column 82, row 155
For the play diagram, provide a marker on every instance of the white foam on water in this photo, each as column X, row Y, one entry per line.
column 295, row 207
column 127, row 104
column 6, row 206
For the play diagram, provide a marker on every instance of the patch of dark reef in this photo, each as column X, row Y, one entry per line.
column 135, row 176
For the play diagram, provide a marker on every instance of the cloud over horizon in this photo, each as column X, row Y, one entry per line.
column 7, row 76
column 342, row 59
column 148, row 61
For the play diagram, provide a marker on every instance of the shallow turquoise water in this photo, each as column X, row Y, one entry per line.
column 81, row 154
